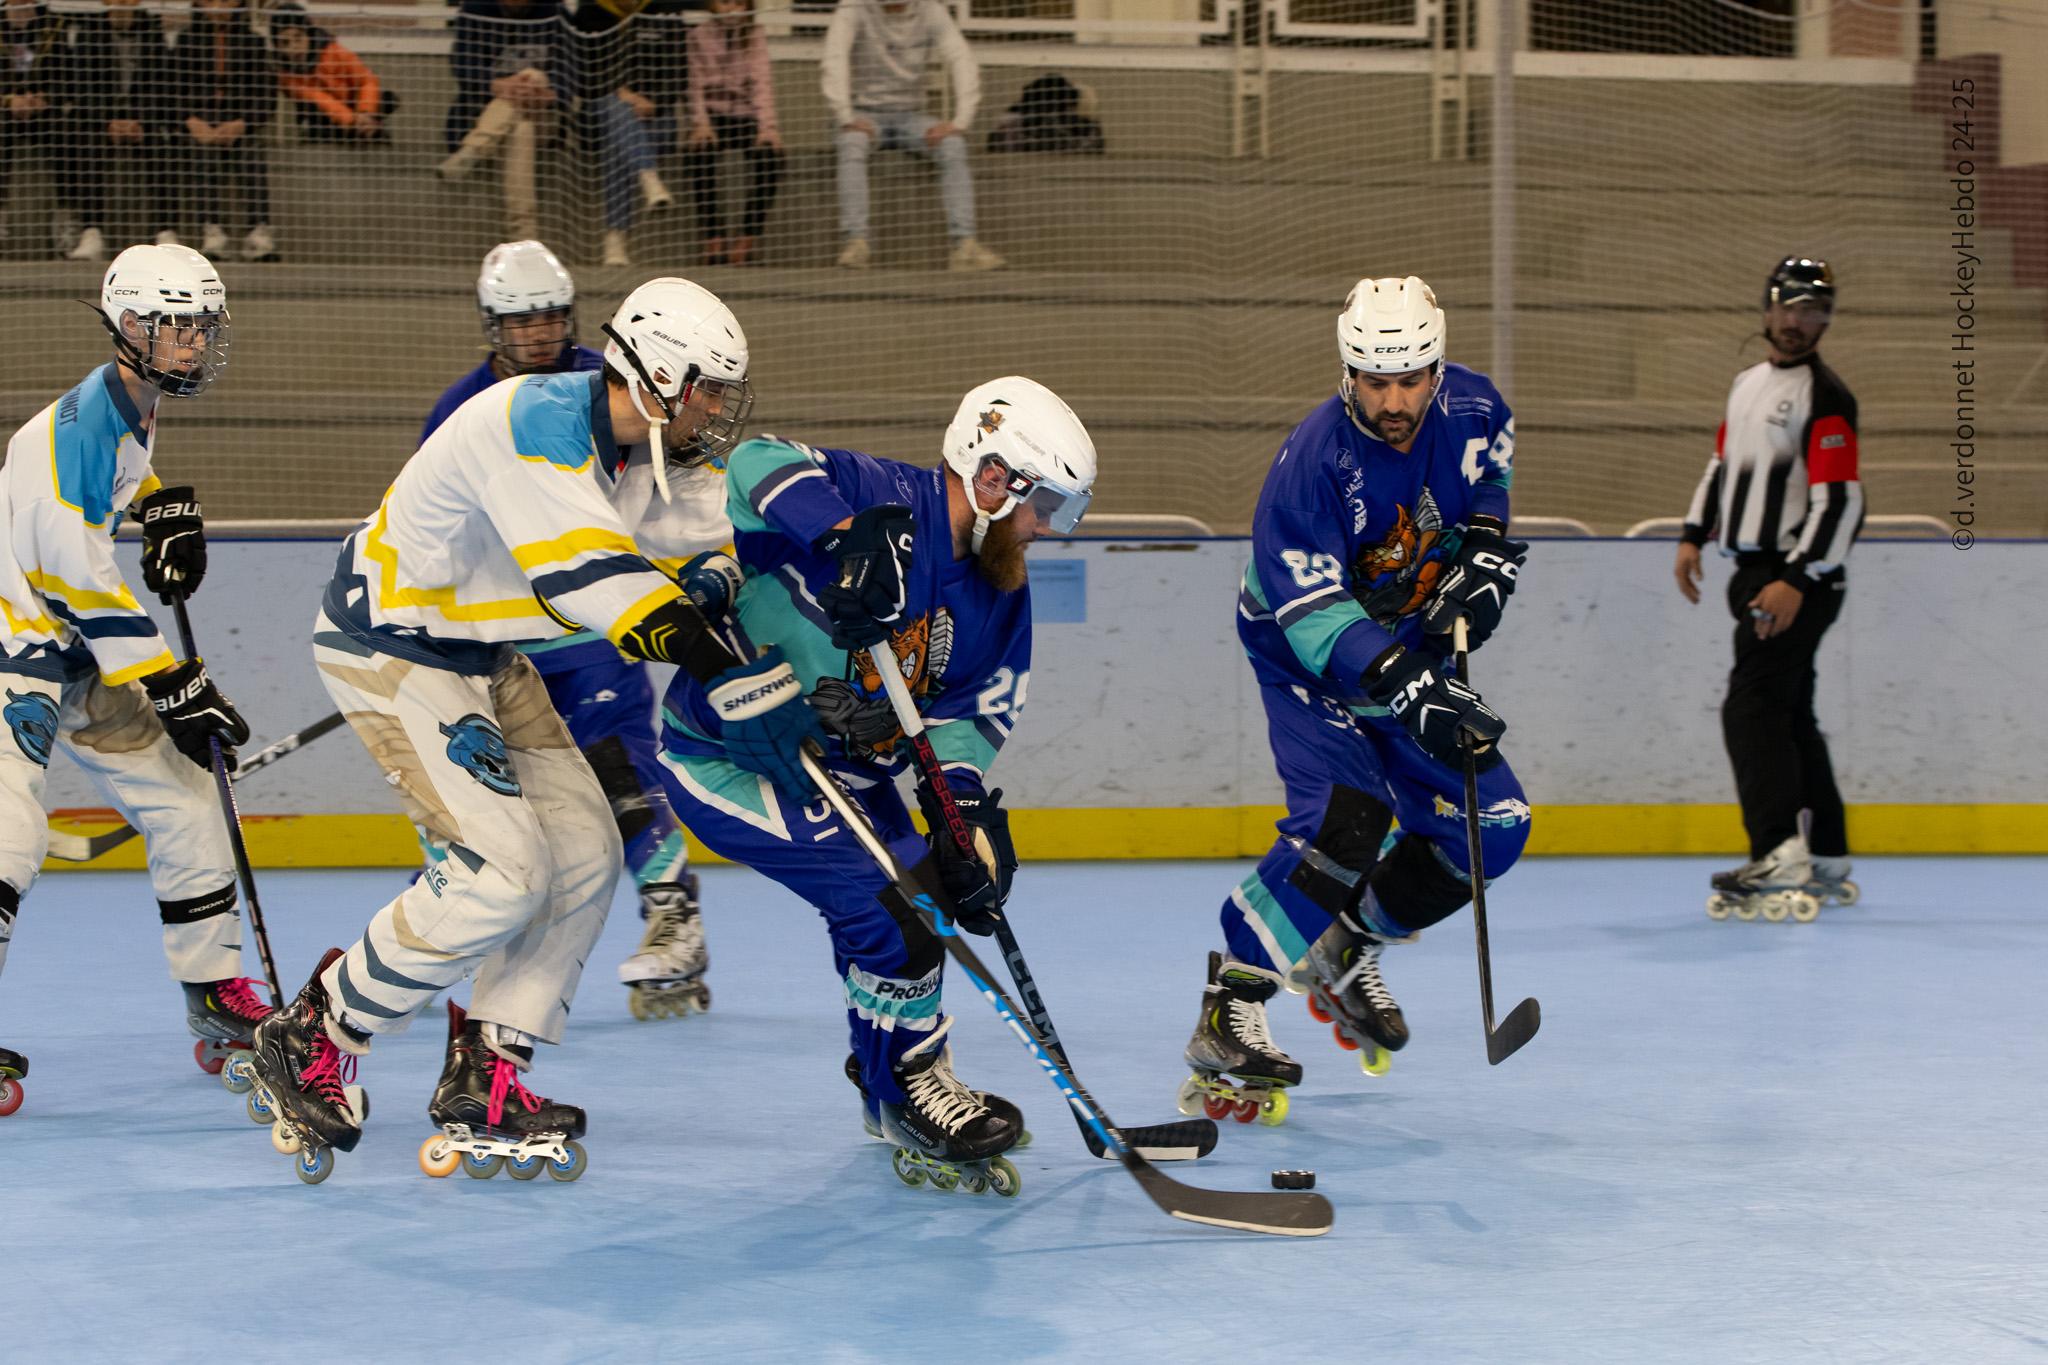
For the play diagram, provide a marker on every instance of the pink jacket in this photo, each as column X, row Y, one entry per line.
column 731, row 76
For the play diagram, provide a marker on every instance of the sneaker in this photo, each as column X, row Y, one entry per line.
column 856, row 255
column 970, row 254
column 615, row 248
column 259, row 245
column 653, row 192
column 213, row 241
column 91, row 247
column 169, row 238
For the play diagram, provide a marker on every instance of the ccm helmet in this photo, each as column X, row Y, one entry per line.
column 1040, row 442
column 168, row 313
column 672, row 340
column 1389, row 326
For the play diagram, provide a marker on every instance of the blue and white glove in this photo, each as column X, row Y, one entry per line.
column 766, row 721
column 712, row 581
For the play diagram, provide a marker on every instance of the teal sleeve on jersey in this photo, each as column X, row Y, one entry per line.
column 774, row 485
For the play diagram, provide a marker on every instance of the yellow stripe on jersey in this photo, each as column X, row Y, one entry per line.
column 37, row 622
column 391, row 593
column 632, row 616
column 566, row 547
column 122, row 676
column 82, row 599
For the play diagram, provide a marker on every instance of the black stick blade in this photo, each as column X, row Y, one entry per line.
column 1188, row 1140
column 1514, row 1031
column 1282, row 1215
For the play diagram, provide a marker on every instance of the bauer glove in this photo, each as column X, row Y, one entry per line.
column 978, row 885
column 193, row 712
column 1442, row 714
column 1477, row 585
column 867, row 591
column 173, row 542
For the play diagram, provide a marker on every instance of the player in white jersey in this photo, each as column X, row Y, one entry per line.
column 83, row 667
column 544, row 505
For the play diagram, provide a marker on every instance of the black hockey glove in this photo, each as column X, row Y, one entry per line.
column 1477, row 585
column 193, row 711
column 863, row 722
column 867, row 590
column 1440, row 711
column 978, row 885
column 173, row 542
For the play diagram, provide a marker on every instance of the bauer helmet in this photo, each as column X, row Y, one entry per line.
column 168, row 313
column 675, row 342
column 525, row 280
column 1389, row 326
column 1801, row 277
column 1038, row 439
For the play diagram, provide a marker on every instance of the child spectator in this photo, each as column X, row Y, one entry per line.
column 33, row 115
column 337, row 97
column 118, row 58
column 616, row 114
column 223, row 89
column 504, row 58
column 732, row 106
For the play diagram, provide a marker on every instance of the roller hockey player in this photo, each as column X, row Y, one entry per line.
column 535, row 510
column 843, row 551
column 528, row 304
column 82, row 666
column 1383, row 520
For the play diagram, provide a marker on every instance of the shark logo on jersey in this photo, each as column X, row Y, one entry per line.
column 923, row 649
column 1505, row 813
column 477, row 745
column 33, row 719
column 1395, row 576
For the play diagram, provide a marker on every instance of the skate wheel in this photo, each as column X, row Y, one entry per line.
column 1776, row 909
column 438, row 1159
column 945, row 1180
column 1023, row 1138
column 1337, row 1032
column 1273, row 1112
column 1745, row 909
column 238, row 1075
column 1191, row 1097
column 1003, row 1178
column 314, row 1165
column 11, row 1096
column 1244, row 1111
column 209, row 1060
column 524, row 1167
column 1374, row 1060
column 285, row 1139
column 258, row 1105
column 481, row 1165
column 637, row 1006
column 573, row 1166
column 1216, row 1107
column 703, row 1001
column 1847, row 893
column 907, row 1169
column 1805, row 910
column 974, row 1182
column 1717, row 908
column 1317, row 1012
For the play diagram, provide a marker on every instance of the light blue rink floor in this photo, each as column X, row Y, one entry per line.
column 1730, row 1142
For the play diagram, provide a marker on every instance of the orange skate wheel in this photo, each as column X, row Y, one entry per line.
column 1244, row 1111
column 437, row 1158
column 209, row 1061
column 1337, row 1032
column 1317, row 1012
column 1216, row 1107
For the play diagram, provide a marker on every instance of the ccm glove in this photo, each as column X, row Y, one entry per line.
column 193, row 712
column 173, row 542
column 1440, row 711
column 1477, row 585
column 867, row 589
column 767, row 722
column 978, row 885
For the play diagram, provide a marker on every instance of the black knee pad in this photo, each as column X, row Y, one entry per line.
column 1335, row 865
column 621, row 783
column 921, row 948
column 10, row 905
column 1414, row 885
column 221, row 902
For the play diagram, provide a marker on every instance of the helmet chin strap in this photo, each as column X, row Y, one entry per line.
column 657, row 454
column 982, row 520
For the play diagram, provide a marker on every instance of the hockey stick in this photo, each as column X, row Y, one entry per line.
column 234, row 819
column 83, row 848
column 1186, row 1140
column 1522, row 1021
column 1284, row 1214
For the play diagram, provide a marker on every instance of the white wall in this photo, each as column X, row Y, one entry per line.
column 1609, row 683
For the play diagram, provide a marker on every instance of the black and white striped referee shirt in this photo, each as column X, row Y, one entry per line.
column 1783, row 477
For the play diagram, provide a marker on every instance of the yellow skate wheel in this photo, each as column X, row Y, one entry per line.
column 1374, row 1060
column 284, row 1139
column 1023, row 1138
column 1273, row 1112
column 437, row 1158
column 907, row 1168
column 1003, row 1177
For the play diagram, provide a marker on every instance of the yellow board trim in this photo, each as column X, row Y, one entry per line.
column 1217, row 832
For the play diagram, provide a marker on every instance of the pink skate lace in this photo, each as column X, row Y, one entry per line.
column 238, row 995
column 330, row 1070
column 505, row 1079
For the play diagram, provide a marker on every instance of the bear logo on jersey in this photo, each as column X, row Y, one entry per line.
column 477, row 745
column 1394, row 577
column 33, row 719
column 922, row 650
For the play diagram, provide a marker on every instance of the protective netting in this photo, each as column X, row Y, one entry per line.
column 1177, row 284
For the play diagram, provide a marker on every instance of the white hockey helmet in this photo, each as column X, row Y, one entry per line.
column 673, row 341
column 1038, row 439
column 179, row 338
column 521, row 279
column 1390, row 326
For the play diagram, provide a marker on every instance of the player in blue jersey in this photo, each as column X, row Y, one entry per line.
column 528, row 303
column 842, row 551
column 1383, row 519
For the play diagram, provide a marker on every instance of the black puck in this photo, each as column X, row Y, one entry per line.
column 1294, row 1180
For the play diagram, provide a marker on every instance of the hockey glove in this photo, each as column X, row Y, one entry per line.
column 173, row 542
column 766, row 722
column 1477, row 585
column 193, row 711
column 1439, row 711
column 867, row 590
column 712, row 581
column 863, row 722
column 978, row 885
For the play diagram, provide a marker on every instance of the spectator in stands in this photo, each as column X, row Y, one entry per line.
column 118, row 58
column 616, row 115
column 732, row 107
column 33, row 99
column 1052, row 115
column 876, row 52
column 224, row 91
column 505, row 61
column 338, row 98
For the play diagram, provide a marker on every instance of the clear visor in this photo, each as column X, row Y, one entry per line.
column 1059, row 509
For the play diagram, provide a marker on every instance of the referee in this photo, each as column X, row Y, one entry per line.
column 1781, row 496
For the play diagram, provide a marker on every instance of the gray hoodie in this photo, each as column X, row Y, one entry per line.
column 875, row 60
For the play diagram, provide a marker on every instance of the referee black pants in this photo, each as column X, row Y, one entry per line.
column 1774, row 742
